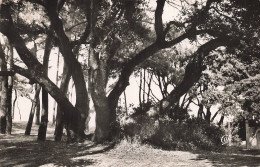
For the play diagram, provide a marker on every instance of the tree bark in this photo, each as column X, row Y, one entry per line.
column 125, row 100
column 74, row 66
column 97, row 85
column 214, row 116
column 45, row 100
column 44, row 117
column 37, row 89
column 149, row 87
column 208, row 115
column 144, row 85
column 57, row 80
column 60, row 116
column 221, row 120
column 35, row 69
column 38, row 111
column 200, row 112
column 140, row 88
column 4, row 91
column 14, row 102
column 37, row 99
column 10, row 92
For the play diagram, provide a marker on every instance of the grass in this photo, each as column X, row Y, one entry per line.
column 24, row 151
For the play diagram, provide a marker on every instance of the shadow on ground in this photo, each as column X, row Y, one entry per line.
column 25, row 151
column 20, row 150
column 232, row 158
column 33, row 153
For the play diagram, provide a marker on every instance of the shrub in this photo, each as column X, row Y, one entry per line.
column 190, row 135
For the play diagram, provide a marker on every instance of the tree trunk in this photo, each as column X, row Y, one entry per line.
column 126, row 110
column 37, row 99
column 9, row 92
column 38, row 111
column 97, row 81
column 149, row 86
column 200, row 112
column 75, row 68
column 140, row 89
column 208, row 115
column 60, row 116
column 57, row 80
column 98, row 76
column 44, row 117
column 33, row 109
column 104, row 121
column 221, row 120
column 45, row 101
column 14, row 102
column 144, row 85
column 4, row 91
column 35, row 68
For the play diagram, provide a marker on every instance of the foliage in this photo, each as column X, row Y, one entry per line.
column 201, row 136
column 239, row 122
column 178, row 114
column 168, row 134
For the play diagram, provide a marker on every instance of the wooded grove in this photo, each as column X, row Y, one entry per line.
column 200, row 52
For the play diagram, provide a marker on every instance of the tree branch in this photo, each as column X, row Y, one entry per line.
column 25, row 73
column 129, row 66
column 8, row 29
column 40, row 2
column 158, row 21
column 60, row 4
column 194, row 69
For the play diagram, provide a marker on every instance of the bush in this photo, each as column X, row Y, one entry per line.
column 192, row 134
column 203, row 135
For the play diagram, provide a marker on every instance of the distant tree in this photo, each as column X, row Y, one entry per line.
column 56, row 82
column 37, row 89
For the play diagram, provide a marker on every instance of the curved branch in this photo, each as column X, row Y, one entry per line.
column 194, row 69
column 68, row 109
column 8, row 29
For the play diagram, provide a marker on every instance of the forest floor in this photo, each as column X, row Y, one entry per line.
column 24, row 151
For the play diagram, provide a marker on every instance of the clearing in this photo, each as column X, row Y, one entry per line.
column 24, row 151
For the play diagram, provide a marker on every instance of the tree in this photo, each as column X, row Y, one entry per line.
column 118, row 42
column 37, row 89
column 4, row 90
column 45, row 101
column 10, row 91
column 57, row 80
column 33, row 63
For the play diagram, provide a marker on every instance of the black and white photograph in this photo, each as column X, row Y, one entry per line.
column 129, row 83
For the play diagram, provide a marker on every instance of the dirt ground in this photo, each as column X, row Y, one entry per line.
column 24, row 151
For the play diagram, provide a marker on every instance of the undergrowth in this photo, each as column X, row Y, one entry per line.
column 191, row 135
